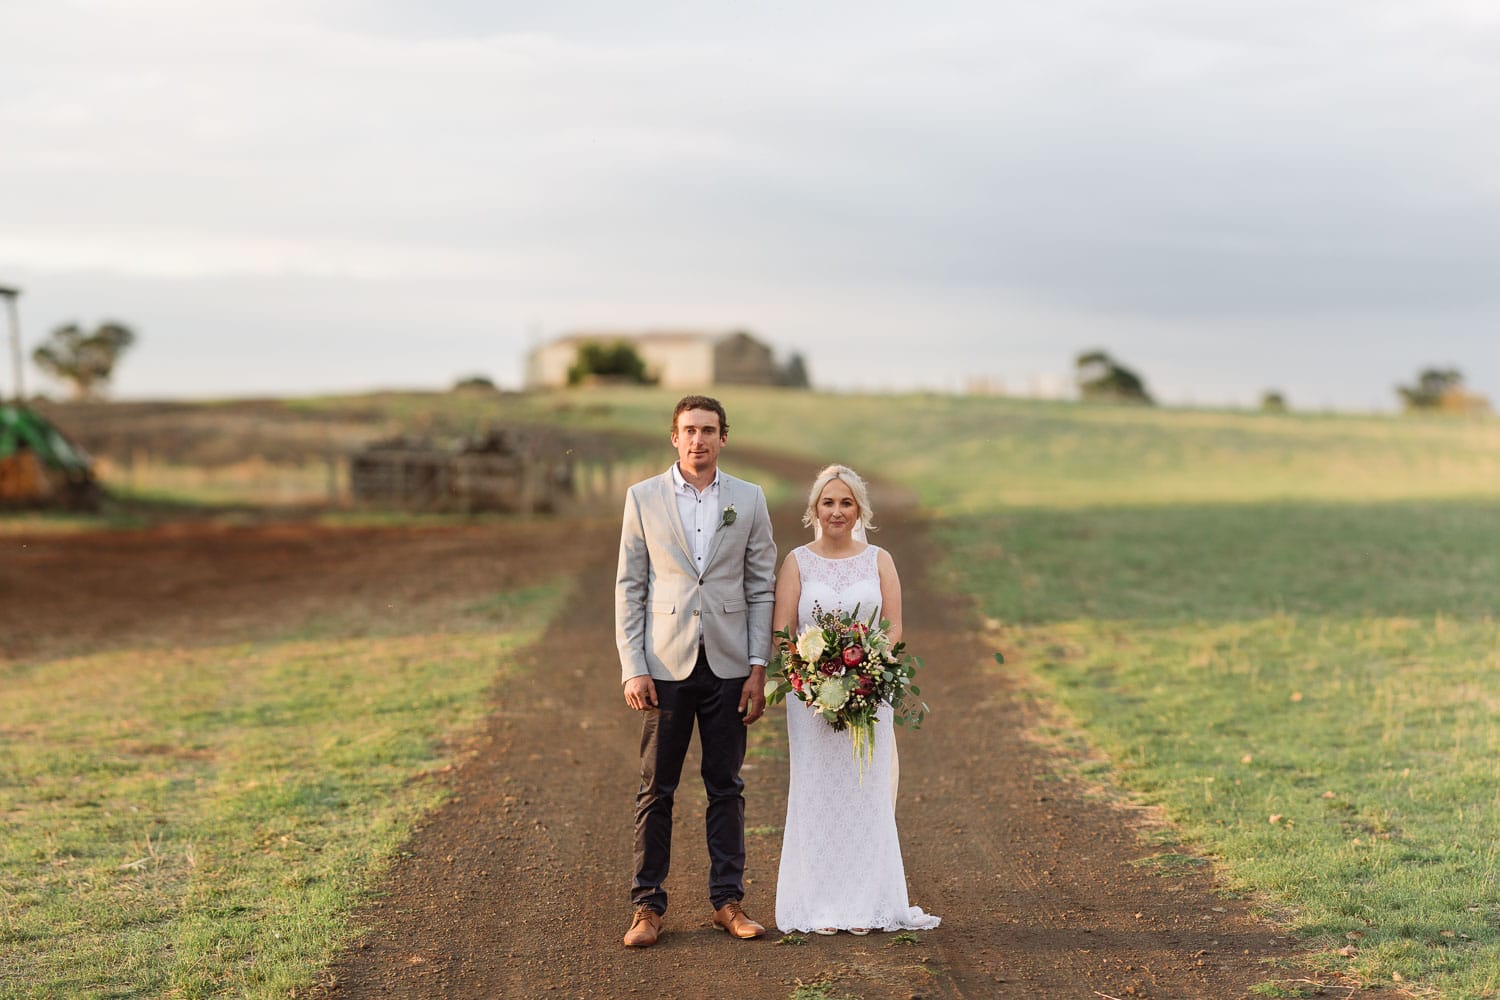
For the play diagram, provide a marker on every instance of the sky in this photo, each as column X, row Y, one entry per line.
column 292, row 196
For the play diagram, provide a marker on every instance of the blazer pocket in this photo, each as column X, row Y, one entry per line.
column 663, row 608
column 732, row 606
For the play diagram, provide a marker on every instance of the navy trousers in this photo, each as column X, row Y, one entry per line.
column 713, row 704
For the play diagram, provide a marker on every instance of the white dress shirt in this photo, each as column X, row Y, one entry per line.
column 700, row 515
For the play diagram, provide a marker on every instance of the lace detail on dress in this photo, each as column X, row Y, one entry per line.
column 818, row 887
column 838, row 584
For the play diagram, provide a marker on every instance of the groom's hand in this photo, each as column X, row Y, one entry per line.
column 640, row 692
column 753, row 694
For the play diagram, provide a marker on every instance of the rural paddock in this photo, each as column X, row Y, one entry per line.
column 517, row 887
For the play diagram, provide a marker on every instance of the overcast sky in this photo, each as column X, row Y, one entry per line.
column 293, row 195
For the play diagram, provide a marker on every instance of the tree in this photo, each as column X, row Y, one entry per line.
column 1434, row 386
column 618, row 362
column 1272, row 401
column 1101, row 379
column 793, row 374
column 87, row 360
column 475, row 383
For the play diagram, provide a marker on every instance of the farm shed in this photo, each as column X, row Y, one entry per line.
column 677, row 360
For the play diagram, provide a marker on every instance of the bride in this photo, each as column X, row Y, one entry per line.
column 840, row 857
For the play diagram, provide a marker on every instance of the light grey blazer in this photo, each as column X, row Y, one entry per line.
column 660, row 598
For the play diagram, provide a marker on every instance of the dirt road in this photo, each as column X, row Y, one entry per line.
column 518, row 888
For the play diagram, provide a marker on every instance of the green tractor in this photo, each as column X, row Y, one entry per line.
column 39, row 467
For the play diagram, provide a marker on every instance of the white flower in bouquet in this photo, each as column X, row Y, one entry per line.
column 811, row 643
column 832, row 694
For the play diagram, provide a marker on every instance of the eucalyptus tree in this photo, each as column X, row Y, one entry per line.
column 85, row 359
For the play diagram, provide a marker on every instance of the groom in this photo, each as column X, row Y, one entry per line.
column 693, row 599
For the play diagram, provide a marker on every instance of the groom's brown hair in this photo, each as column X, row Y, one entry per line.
column 701, row 403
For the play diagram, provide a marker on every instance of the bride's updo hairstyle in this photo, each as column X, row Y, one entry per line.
column 856, row 485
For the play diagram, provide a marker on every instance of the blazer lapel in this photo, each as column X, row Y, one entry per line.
column 669, row 505
column 727, row 496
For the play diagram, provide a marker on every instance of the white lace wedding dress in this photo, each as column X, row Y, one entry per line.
column 840, row 857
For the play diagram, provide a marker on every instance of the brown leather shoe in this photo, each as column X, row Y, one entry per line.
column 731, row 917
column 645, row 928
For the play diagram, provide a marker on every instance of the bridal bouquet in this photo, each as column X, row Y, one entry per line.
column 845, row 669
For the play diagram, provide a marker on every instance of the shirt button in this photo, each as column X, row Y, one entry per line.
column 695, row 613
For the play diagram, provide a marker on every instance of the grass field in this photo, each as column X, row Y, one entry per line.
column 234, row 802
column 1280, row 629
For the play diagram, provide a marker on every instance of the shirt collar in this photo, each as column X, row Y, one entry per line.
column 680, row 484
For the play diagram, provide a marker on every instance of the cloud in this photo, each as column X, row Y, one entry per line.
column 1079, row 169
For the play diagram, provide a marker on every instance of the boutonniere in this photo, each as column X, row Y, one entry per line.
column 729, row 516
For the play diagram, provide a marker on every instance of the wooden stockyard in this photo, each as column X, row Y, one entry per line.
column 497, row 473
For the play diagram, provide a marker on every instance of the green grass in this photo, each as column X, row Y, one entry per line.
column 821, row 989
column 1278, row 628
column 249, row 481
column 1169, row 864
column 1296, row 660
column 1308, row 688
column 1218, row 562
column 1250, row 616
column 202, row 822
column 979, row 454
column 1344, row 766
column 1283, row 991
column 43, row 522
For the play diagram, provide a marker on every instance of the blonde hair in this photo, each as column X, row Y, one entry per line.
column 856, row 485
